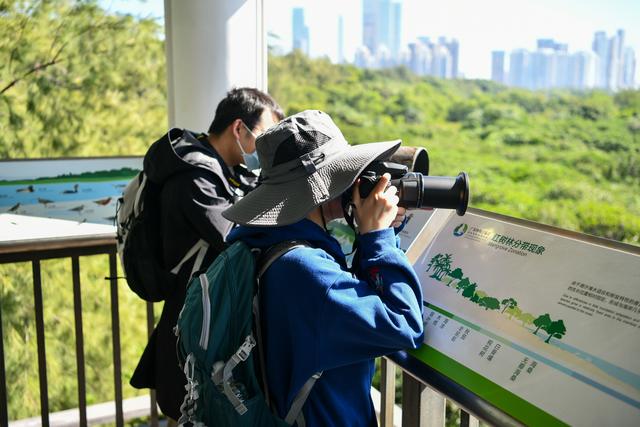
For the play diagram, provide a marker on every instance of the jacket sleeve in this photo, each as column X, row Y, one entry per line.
column 375, row 313
column 202, row 198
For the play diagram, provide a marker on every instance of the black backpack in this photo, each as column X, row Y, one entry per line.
column 139, row 241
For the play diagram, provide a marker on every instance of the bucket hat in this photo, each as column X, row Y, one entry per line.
column 305, row 162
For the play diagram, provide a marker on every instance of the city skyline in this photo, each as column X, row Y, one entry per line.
column 480, row 27
column 610, row 65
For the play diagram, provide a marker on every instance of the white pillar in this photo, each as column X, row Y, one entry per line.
column 211, row 46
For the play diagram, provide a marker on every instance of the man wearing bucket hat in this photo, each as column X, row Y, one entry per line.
column 317, row 316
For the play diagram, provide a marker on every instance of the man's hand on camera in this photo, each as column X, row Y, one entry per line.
column 399, row 217
column 379, row 210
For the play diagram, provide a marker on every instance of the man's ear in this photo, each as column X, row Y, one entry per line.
column 235, row 128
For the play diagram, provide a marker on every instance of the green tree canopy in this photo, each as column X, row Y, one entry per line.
column 541, row 322
column 462, row 284
column 508, row 303
column 489, row 303
column 77, row 81
column 469, row 291
column 555, row 329
column 456, row 274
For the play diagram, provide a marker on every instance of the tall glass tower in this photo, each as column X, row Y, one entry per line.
column 300, row 31
column 497, row 66
column 382, row 26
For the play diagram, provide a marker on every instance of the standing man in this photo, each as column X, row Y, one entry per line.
column 191, row 206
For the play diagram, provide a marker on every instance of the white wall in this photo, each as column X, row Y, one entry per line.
column 211, row 46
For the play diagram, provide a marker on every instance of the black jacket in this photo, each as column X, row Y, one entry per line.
column 192, row 201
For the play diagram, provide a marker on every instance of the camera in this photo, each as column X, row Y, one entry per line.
column 416, row 189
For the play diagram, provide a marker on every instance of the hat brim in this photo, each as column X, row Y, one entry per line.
column 286, row 203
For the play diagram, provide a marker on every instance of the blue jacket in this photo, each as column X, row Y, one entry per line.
column 318, row 317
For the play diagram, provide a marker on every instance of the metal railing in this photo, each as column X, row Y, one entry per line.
column 424, row 390
column 35, row 252
column 424, row 394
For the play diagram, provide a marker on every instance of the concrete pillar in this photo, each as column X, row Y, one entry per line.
column 211, row 46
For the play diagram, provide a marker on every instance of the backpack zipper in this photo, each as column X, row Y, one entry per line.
column 206, row 312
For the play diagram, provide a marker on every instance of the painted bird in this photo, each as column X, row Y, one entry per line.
column 28, row 189
column 77, row 209
column 74, row 191
column 102, row 202
column 45, row 202
column 14, row 207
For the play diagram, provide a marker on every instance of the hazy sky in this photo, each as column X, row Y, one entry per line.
column 480, row 25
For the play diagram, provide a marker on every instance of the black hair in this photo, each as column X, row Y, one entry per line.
column 246, row 104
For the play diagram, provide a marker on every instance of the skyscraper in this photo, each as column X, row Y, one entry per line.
column 600, row 47
column 453, row 48
column 395, row 35
column 300, row 31
column 370, row 24
column 582, row 70
column 614, row 61
column 381, row 26
column 518, row 68
column 420, row 58
column 441, row 65
column 628, row 69
column 497, row 66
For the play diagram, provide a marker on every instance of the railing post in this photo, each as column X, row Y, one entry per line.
column 77, row 312
column 387, row 391
column 115, row 327
column 42, row 354
column 411, row 402
column 421, row 406
column 466, row 420
column 434, row 407
column 4, row 403
column 152, row 392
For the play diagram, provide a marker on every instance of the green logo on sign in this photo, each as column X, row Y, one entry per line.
column 460, row 230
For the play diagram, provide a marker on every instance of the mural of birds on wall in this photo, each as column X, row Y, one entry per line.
column 74, row 191
column 102, row 202
column 28, row 189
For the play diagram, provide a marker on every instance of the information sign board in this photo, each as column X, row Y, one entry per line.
column 544, row 326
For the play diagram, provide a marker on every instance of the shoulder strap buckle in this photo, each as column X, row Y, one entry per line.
column 245, row 349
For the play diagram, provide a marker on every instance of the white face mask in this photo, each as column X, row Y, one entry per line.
column 251, row 161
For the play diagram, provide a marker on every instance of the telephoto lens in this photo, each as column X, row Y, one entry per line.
column 418, row 191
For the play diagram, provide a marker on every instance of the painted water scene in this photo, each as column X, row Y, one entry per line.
column 82, row 190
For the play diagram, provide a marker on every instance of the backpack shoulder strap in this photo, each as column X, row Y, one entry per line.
column 268, row 257
column 263, row 263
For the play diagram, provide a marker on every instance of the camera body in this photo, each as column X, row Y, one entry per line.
column 416, row 190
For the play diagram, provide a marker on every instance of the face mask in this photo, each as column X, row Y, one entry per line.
column 251, row 161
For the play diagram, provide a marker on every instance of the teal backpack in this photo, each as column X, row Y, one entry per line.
column 217, row 330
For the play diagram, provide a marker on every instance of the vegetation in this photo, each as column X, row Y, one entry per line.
column 74, row 81
column 566, row 159
column 77, row 81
